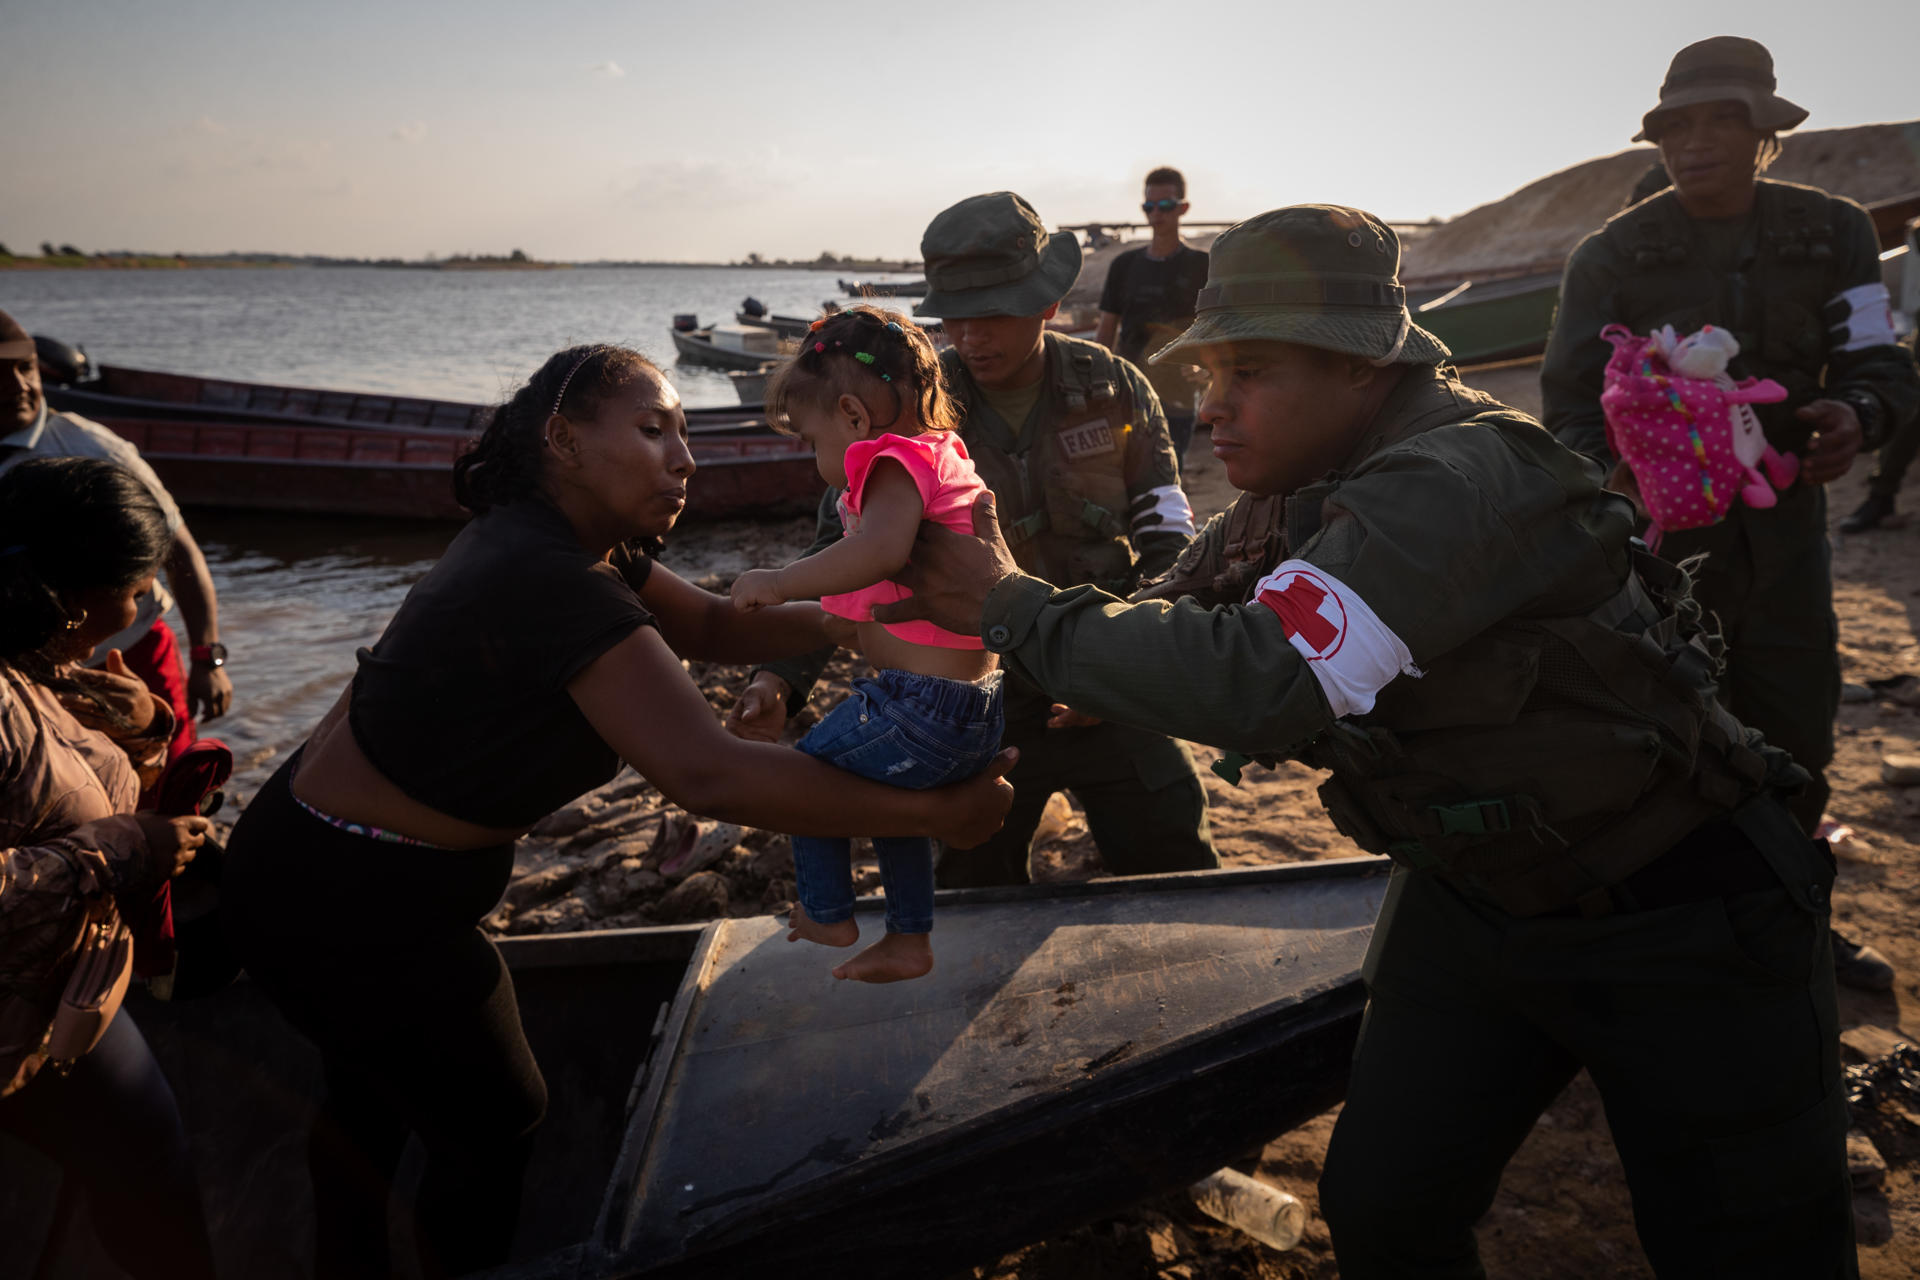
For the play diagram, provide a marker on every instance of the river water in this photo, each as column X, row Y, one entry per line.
column 299, row 594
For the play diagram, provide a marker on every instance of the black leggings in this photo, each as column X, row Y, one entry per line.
column 371, row 950
column 112, row 1123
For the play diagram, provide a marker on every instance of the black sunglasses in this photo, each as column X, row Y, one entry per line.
column 1161, row 206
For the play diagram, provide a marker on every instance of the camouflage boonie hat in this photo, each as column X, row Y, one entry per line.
column 1321, row 275
column 992, row 256
column 1724, row 69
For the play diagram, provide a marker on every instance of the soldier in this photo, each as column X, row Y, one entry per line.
column 1073, row 444
column 1794, row 273
column 1447, row 612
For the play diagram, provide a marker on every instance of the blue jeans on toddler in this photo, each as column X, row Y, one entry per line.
column 905, row 730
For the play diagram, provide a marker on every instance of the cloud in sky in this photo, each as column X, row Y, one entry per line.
column 610, row 69
column 415, row 131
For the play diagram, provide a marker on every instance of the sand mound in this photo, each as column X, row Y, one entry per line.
column 1541, row 222
column 1538, row 225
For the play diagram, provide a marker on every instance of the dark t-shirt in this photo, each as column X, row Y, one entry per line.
column 1154, row 300
column 463, row 704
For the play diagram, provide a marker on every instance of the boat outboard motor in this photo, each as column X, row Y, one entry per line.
column 61, row 364
column 754, row 307
column 686, row 322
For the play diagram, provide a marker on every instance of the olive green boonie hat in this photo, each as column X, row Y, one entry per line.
column 992, row 256
column 1724, row 69
column 1320, row 275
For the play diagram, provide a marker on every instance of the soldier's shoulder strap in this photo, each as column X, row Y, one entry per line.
column 1086, row 373
column 1650, row 235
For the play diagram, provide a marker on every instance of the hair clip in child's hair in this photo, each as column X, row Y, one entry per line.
column 886, row 377
column 816, row 324
column 893, row 326
column 863, row 357
column 819, row 346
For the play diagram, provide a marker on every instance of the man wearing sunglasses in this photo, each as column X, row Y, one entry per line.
column 1149, row 297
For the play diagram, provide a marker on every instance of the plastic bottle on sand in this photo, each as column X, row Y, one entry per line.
column 1266, row 1213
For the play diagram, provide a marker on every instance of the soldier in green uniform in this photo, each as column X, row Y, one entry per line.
column 1794, row 274
column 1072, row 442
column 1443, row 607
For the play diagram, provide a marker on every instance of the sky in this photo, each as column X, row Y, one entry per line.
column 587, row 129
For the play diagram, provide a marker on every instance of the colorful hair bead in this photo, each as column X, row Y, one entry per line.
column 819, row 346
column 863, row 357
column 816, row 324
column 893, row 326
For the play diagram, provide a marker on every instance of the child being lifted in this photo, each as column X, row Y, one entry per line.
column 866, row 393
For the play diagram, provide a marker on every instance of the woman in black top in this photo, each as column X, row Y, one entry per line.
column 539, row 653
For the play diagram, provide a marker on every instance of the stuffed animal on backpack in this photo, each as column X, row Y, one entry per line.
column 1682, row 426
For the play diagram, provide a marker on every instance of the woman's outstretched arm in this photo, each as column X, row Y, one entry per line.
column 699, row 624
column 641, row 703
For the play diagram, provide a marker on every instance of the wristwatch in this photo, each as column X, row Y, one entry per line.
column 1871, row 413
column 214, row 655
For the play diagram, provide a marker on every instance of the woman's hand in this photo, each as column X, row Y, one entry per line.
column 171, row 843
column 974, row 809
column 759, row 714
column 757, row 589
column 120, row 704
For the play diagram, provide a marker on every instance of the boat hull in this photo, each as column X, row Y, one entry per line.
column 393, row 475
column 695, row 349
column 719, row 1106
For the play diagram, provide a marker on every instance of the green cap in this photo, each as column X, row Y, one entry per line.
column 992, row 256
column 1320, row 275
column 1724, row 69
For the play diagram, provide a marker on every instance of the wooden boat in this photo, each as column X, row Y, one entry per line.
column 729, row 346
column 260, row 447
column 721, row 1107
column 781, row 326
column 884, row 289
column 120, row 392
column 1482, row 320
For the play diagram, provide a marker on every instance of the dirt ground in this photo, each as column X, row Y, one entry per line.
column 1563, row 1208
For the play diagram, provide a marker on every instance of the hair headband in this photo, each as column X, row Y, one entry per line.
column 568, row 380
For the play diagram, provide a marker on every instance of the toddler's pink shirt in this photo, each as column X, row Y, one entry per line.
column 948, row 484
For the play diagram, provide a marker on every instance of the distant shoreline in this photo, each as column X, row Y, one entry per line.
column 165, row 262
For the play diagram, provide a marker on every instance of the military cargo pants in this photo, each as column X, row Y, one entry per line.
column 1768, row 578
column 1709, row 1028
column 1145, row 806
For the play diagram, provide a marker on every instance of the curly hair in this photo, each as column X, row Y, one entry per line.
column 881, row 358
column 503, row 462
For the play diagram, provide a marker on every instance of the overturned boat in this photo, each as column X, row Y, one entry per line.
column 720, row 1105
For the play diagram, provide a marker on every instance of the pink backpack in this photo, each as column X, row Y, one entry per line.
column 1683, row 428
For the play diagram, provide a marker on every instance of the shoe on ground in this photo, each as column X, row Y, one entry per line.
column 1868, row 515
column 1860, row 967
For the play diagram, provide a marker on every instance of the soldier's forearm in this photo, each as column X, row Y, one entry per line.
column 1225, row 677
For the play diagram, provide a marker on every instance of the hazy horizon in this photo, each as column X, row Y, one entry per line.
column 595, row 130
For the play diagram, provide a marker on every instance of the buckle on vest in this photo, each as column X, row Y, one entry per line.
column 1097, row 517
column 1473, row 818
column 1025, row 529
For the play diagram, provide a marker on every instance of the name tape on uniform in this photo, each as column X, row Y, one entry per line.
column 1087, row 440
column 1350, row 651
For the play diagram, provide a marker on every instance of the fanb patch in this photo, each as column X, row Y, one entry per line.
column 1088, row 440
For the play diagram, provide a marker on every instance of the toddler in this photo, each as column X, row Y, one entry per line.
column 866, row 392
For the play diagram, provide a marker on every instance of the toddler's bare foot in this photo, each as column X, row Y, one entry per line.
column 895, row 958
column 843, row 933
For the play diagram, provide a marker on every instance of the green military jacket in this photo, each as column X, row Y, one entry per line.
column 1087, row 489
column 1798, row 283
column 1426, row 624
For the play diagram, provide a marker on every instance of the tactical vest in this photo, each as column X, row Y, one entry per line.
column 1776, row 308
column 1061, row 490
column 1543, row 761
